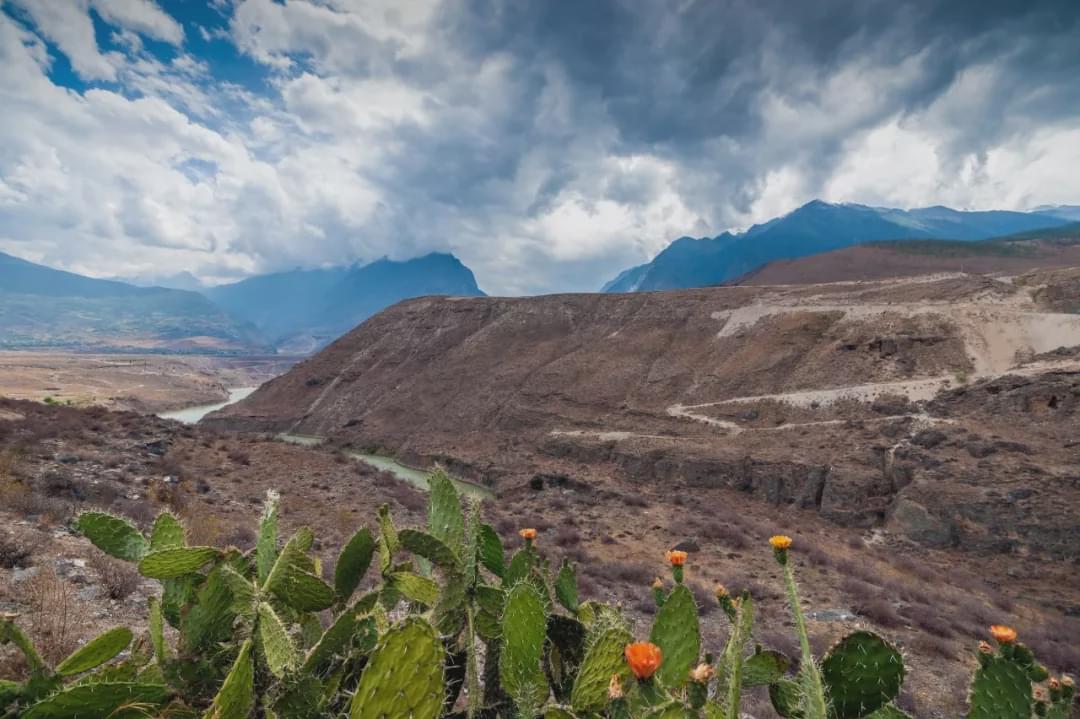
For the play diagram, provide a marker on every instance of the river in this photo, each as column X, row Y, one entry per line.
column 191, row 415
column 412, row 475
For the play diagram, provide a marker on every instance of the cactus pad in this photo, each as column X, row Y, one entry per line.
column 96, row 652
column 446, row 522
column 1000, row 690
column 274, row 640
column 115, row 536
column 166, row 533
column 524, row 627
column 176, row 562
column 430, row 548
column 566, row 589
column 266, row 547
column 353, row 563
column 675, row 631
column 414, row 587
column 889, row 711
column 99, row 699
column 862, row 673
column 603, row 657
column 764, row 668
column 786, row 697
column 236, row 697
column 404, row 677
column 490, row 549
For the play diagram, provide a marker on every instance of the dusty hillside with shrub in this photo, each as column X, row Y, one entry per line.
column 931, row 602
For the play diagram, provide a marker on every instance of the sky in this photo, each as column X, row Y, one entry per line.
column 549, row 144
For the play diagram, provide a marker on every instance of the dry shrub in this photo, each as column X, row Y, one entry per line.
column 15, row 551
column 204, row 530
column 119, row 579
column 242, row 537
column 57, row 616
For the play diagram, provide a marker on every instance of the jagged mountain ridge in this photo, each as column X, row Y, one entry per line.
column 812, row 229
column 312, row 307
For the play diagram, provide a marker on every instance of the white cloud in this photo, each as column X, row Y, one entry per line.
column 143, row 16
column 67, row 23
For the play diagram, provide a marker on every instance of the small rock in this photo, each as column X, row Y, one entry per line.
column 688, row 545
column 90, row 593
column 978, row 449
column 929, row 438
column 21, row 575
column 66, row 457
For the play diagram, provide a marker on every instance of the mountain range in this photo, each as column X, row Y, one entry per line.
column 302, row 310
column 292, row 312
column 818, row 227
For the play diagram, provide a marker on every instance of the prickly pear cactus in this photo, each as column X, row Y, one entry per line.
column 176, row 561
column 96, row 652
column 353, row 563
column 236, row 697
column 446, row 522
column 113, row 535
column 603, row 658
column 524, row 627
column 167, row 533
column 675, row 630
column 862, row 673
column 123, row 700
column 404, row 677
column 1001, row 689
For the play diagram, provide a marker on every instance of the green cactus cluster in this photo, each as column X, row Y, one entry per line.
column 452, row 627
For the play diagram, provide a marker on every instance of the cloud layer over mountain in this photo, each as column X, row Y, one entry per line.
column 547, row 144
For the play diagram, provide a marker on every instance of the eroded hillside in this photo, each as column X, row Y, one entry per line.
column 937, row 407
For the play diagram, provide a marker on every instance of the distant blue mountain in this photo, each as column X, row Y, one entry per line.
column 44, row 307
column 304, row 309
column 811, row 229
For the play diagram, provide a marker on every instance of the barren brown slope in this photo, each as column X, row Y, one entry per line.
column 889, row 260
column 814, row 397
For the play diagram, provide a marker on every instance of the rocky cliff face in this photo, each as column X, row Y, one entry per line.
column 928, row 406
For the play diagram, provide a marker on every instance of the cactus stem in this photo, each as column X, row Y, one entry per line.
column 813, row 690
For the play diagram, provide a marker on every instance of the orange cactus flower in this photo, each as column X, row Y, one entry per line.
column 780, row 541
column 721, row 591
column 528, row 534
column 1003, row 634
column 644, row 659
column 1054, row 684
column 676, row 557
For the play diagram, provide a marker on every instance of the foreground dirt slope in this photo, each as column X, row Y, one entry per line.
column 935, row 603
column 816, row 397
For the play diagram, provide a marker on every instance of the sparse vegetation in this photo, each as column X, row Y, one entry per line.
column 477, row 634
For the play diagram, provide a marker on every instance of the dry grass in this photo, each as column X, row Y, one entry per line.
column 56, row 615
column 119, row 579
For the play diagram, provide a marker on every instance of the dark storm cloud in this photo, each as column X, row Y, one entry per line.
column 676, row 74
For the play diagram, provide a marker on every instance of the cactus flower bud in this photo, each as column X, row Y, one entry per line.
column 644, row 659
column 701, row 674
column 780, row 544
column 1003, row 634
column 614, row 688
column 720, row 591
column 1054, row 683
column 528, row 534
column 985, row 648
column 1067, row 681
column 658, row 583
column 676, row 557
column 780, row 541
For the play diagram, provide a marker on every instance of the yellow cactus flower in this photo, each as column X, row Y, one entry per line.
column 780, row 541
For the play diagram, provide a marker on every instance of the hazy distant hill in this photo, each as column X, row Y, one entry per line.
column 811, row 229
column 305, row 309
column 43, row 307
